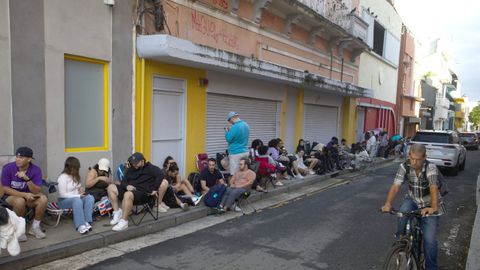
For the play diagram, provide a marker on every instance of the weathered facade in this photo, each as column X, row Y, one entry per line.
column 96, row 79
column 289, row 68
column 379, row 67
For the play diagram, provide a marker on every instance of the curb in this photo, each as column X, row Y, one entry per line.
column 76, row 246
column 473, row 258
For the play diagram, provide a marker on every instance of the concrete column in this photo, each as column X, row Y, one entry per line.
column 122, row 74
column 6, row 128
column 28, row 76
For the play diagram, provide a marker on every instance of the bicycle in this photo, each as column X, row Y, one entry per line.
column 407, row 252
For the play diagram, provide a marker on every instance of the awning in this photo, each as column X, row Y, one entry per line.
column 170, row 49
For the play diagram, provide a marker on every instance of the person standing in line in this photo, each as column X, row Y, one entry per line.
column 237, row 138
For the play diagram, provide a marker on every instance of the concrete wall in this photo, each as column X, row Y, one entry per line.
column 28, row 80
column 82, row 28
column 122, row 71
column 6, row 124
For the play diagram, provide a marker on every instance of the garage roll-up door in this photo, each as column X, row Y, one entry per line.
column 320, row 123
column 261, row 116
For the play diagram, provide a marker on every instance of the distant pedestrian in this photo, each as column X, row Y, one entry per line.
column 237, row 138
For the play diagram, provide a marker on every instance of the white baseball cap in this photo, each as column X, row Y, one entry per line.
column 103, row 164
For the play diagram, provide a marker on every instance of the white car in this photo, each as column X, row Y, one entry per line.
column 444, row 148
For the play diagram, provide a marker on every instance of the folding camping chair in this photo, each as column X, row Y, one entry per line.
column 144, row 208
column 244, row 199
column 201, row 161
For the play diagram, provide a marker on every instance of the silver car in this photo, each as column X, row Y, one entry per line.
column 444, row 148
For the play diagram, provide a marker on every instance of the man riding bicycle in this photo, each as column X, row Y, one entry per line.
column 420, row 196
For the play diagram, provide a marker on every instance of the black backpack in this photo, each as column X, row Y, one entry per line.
column 442, row 186
column 194, row 179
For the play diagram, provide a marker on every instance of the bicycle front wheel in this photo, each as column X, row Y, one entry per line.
column 400, row 258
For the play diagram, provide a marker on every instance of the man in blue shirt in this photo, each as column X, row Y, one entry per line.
column 237, row 139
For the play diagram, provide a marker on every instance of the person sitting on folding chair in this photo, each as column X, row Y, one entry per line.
column 142, row 179
column 22, row 181
column 240, row 183
column 72, row 195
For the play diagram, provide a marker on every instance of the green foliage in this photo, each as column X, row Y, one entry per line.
column 474, row 116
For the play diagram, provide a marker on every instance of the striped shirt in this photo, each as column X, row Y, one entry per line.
column 420, row 195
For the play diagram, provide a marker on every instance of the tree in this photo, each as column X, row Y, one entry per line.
column 474, row 117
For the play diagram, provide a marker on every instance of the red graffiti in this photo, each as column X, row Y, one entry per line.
column 221, row 3
column 207, row 27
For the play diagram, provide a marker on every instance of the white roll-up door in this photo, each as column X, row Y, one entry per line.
column 261, row 115
column 320, row 123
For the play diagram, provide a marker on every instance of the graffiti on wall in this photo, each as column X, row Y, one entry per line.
column 208, row 27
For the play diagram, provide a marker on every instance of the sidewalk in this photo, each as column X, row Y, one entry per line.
column 64, row 241
column 473, row 259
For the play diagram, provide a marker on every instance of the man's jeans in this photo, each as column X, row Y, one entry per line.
column 82, row 208
column 429, row 228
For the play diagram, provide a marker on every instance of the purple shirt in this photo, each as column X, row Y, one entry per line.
column 9, row 179
column 273, row 152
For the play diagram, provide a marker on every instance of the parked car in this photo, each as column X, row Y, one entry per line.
column 469, row 140
column 443, row 148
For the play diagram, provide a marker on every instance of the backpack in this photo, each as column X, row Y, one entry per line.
column 194, row 179
column 214, row 195
column 442, row 186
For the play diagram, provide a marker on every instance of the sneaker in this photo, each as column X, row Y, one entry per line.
column 160, row 209
column 312, row 172
column 117, row 215
column 199, row 199
column 89, row 227
column 299, row 176
column 184, row 206
column 121, row 225
column 278, row 183
column 37, row 232
column 82, row 229
column 162, row 204
column 22, row 238
column 237, row 208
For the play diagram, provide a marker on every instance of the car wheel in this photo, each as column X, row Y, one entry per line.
column 453, row 170
column 462, row 166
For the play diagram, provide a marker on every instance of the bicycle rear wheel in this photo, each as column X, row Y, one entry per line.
column 399, row 258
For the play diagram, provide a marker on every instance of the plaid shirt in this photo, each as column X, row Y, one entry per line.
column 415, row 190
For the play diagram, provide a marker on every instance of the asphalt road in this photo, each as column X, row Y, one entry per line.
column 339, row 228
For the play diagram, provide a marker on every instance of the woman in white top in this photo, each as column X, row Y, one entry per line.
column 71, row 195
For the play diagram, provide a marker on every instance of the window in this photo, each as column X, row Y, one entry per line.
column 412, row 105
column 378, row 38
column 86, row 104
column 432, row 137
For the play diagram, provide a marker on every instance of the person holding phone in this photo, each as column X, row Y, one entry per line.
column 236, row 136
column 22, row 181
column 72, row 195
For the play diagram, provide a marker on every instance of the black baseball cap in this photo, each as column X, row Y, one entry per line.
column 135, row 158
column 24, row 151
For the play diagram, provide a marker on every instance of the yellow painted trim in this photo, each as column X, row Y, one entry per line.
column 142, row 106
column 299, row 115
column 105, row 145
column 283, row 116
column 349, row 120
column 195, row 108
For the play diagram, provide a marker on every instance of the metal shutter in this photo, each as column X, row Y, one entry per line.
column 261, row 115
column 320, row 123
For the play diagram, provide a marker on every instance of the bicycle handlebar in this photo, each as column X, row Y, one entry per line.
column 414, row 213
